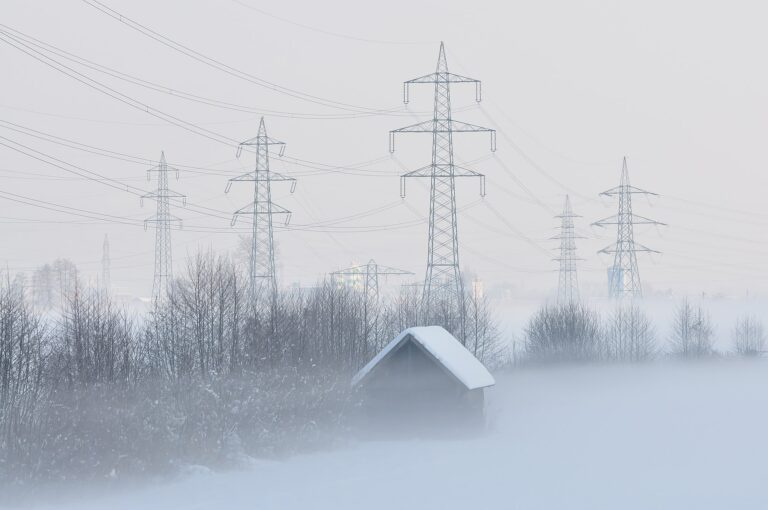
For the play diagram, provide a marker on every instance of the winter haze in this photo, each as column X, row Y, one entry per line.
column 571, row 86
column 211, row 369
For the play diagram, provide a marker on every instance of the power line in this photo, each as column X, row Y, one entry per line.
column 200, row 57
column 111, row 92
column 328, row 32
column 319, row 168
column 175, row 92
column 93, row 176
column 141, row 106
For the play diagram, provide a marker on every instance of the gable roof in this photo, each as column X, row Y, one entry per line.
column 444, row 348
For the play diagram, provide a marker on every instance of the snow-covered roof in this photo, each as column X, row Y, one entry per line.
column 444, row 348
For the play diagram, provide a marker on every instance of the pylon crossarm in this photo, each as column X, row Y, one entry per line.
column 637, row 248
column 631, row 218
column 167, row 193
column 427, row 172
column 248, row 209
column 644, row 249
column 384, row 270
column 466, row 172
column 428, row 126
column 559, row 237
column 260, row 140
column 381, row 270
column 442, row 126
column 350, row 271
column 274, row 176
column 442, row 170
column 441, row 78
column 162, row 168
column 446, row 77
column 608, row 249
column 276, row 209
column 161, row 219
column 262, row 209
column 642, row 220
column 261, row 176
column 250, row 176
column 627, row 189
column 611, row 220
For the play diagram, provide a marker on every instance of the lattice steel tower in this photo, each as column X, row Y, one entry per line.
column 623, row 275
column 162, row 220
column 262, row 209
column 105, row 266
column 568, row 282
column 369, row 274
column 442, row 283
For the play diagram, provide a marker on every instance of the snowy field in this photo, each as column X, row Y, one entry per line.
column 662, row 436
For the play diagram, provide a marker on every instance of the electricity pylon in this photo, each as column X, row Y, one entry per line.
column 623, row 275
column 262, row 209
column 568, row 282
column 369, row 273
column 442, row 283
column 162, row 220
column 105, row 266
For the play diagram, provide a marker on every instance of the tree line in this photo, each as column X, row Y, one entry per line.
column 575, row 332
column 210, row 375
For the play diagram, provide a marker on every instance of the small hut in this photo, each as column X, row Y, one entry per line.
column 424, row 377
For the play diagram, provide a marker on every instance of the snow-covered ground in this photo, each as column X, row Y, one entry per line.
column 662, row 436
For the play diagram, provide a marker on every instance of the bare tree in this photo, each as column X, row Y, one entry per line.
column 96, row 340
column 481, row 333
column 748, row 336
column 43, row 287
column 54, row 284
column 629, row 335
column 23, row 345
column 692, row 332
column 211, row 369
column 563, row 333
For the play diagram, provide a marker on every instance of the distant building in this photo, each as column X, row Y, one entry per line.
column 478, row 289
column 426, row 378
column 615, row 281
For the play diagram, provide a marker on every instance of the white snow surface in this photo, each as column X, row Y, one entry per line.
column 445, row 348
column 663, row 436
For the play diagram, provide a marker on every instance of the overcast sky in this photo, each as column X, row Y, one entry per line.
column 679, row 87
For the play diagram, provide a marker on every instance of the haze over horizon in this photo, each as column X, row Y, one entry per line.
column 681, row 95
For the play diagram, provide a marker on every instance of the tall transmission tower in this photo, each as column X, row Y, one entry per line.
column 162, row 220
column 442, row 283
column 623, row 275
column 105, row 266
column 262, row 209
column 369, row 274
column 568, row 283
